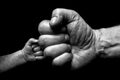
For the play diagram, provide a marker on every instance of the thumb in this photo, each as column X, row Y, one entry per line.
column 61, row 17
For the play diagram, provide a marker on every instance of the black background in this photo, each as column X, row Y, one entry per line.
column 19, row 22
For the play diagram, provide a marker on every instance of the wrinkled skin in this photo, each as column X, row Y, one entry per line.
column 109, row 42
column 80, row 41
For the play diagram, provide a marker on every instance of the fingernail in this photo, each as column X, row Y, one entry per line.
column 53, row 19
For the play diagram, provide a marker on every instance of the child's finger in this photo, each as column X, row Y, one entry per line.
column 36, row 49
column 39, row 53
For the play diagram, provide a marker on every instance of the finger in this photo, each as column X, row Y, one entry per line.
column 33, row 58
column 47, row 40
column 56, row 50
column 39, row 53
column 32, row 41
column 62, row 17
column 33, row 46
column 62, row 59
column 36, row 49
column 39, row 57
column 44, row 27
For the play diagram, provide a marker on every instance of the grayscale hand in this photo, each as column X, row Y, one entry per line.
column 67, row 37
column 32, row 50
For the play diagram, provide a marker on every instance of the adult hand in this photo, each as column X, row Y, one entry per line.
column 67, row 37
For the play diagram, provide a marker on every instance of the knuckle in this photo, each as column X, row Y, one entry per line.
column 55, row 11
column 58, row 11
column 31, row 39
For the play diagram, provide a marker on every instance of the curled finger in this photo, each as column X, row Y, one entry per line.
column 56, row 50
column 47, row 40
column 62, row 59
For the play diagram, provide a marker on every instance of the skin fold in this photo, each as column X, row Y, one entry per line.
column 109, row 41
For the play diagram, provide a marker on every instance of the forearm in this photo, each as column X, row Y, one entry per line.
column 10, row 61
column 108, row 41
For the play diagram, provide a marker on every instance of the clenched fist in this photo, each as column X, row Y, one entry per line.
column 67, row 37
column 32, row 51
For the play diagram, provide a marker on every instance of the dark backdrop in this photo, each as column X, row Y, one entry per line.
column 19, row 22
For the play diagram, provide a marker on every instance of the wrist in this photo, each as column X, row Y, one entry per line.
column 25, row 55
column 22, row 55
column 101, row 43
column 98, row 34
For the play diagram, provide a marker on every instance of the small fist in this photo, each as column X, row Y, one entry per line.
column 32, row 50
